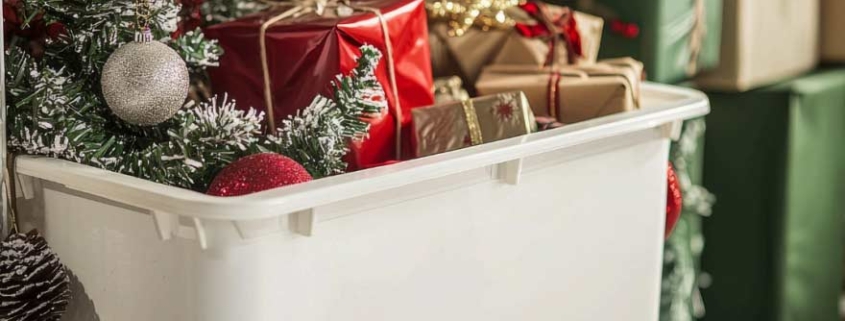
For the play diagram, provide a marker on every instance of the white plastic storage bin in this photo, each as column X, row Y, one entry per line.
column 560, row 225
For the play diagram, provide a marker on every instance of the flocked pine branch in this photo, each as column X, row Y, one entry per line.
column 317, row 136
column 209, row 137
column 217, row 11
column 56, row 109
column 199, row 53
column 200, row 140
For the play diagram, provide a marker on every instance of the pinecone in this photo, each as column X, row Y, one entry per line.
column 33, row 283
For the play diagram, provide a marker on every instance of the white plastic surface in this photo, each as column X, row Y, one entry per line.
column 560, row 225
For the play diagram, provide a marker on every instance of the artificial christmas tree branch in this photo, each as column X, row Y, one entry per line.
column 56, row 108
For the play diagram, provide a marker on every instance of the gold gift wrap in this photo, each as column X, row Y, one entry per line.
column 570, row 94
column 451, row 126
column 475, row 48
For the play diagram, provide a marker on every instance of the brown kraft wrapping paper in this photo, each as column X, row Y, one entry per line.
column 466, row 55
column 571, row 94
column 833, row 28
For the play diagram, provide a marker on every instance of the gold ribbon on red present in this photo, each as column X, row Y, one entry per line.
column 298, row 8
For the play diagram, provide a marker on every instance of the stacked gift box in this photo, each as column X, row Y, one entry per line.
column 774, row 158
column 773, row 246
column 493, row 73
column 775, row 241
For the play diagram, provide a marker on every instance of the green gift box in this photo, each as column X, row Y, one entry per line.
column 775, row 159
column 677, row 38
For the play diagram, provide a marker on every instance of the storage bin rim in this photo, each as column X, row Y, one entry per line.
column 681, row 104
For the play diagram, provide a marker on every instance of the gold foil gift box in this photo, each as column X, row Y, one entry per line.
column 451, row 126
column 571, row 94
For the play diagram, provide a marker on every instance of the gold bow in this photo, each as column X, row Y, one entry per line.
column 299, row 8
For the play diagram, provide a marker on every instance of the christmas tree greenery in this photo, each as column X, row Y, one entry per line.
column 56, row 50
column 216, row 11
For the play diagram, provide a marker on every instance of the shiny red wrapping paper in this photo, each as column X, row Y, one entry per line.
column 307, row 52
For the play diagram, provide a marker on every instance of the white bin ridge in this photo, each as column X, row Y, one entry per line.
column 560, row 225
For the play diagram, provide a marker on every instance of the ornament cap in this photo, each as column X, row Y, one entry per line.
column 144, row 36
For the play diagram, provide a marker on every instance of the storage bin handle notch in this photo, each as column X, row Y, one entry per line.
column 303, row 222
column 510, row 171
column 672, row 130
column 201, row 237
column 166, row 224
column 26, row 186
column 256, row 228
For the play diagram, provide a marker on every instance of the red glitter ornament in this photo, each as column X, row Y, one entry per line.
column 257, row 173
column 674, row 201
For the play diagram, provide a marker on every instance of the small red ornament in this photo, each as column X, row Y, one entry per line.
column 257, row 173
column 674, row 201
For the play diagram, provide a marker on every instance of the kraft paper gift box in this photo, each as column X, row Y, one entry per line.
column 525, row 41
column 451, row 126
column 764, row 42
column 569, row 94
column 774, row 160
column 675, row 39
column 833, row 31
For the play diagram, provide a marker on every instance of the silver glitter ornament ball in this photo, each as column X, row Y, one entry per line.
column 145, row 83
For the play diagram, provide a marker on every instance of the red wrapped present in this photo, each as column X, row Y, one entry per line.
column 308, row 44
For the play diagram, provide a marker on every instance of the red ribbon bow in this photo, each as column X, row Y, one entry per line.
column 563, row 26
